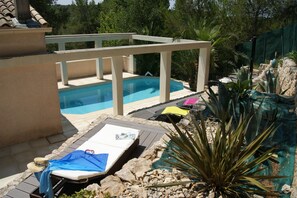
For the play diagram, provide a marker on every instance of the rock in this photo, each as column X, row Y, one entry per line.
column 225, row 80
column 257, row 196
column 168, row 180
column 287, row 73
column 126, row 175
column 287, row 62
column 113, row 185
column 286, row 189
column 141, row 167
column 134, row 169
column 140, row 191
column 93, row 187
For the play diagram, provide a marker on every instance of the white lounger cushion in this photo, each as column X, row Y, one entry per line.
column 107, row 135
column 103, row 141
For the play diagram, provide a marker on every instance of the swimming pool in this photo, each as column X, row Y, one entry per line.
column 98, row 97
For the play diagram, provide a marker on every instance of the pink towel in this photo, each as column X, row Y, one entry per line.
column 191, row 101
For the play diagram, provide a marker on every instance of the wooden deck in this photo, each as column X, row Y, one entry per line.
column 148, row 135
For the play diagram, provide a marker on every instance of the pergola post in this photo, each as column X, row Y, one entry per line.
column 132, row 65
column 203, row 70
column 117, row 84
column 99, row 61
column 165, row 73
column 63, row 66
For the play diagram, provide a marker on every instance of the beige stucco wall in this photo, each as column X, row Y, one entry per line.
column 87, row 67
column 16, row 42
column 29, row 104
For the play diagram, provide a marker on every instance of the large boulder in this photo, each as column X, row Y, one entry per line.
column 287, row 72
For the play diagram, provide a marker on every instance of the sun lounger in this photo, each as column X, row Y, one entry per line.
column 116, row 141
column 188, row 103
column 175, row 114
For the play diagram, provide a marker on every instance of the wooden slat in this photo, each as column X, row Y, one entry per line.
column 28, row 188
column 84, row 139
column 32, row 180
column 150, row 139
column 18, row 194
column 143, row 137
column 144, row 114
column 80, row 141
column 94, row 130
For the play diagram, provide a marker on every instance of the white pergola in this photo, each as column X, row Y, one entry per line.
column 163, row 45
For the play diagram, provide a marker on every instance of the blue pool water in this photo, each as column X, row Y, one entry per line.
column 93, row 98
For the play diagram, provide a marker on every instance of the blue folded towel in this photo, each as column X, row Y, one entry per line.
column 76, row 160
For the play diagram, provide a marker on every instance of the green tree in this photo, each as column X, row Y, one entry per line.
column 286, row 13
column 112, row 17
column 140, row 16
column 84, row 17
column 61, row 15
column 249, row 17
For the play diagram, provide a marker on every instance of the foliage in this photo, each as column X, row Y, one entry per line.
column 248, row 18
column 60, row 20
column 242, row 74
column 84, row 194
column 223, row 58
column 271, row 84
column 223, row 163
column 111, row 16
column 185, row 67
column 84, row 18
column 292, row 55
column 140, row 16
column 232, row 98
column 148, row 63
column 285, row 13
column 80, row 194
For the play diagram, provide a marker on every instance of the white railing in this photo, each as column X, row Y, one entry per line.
column 61, row 40
column 163, row 45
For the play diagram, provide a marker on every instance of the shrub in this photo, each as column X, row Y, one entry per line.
column 293, row 55
column 224, row 163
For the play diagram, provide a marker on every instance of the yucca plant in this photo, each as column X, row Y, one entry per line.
column 242, row 74
column 232, row 100
column 223, row 164
column 271, row 84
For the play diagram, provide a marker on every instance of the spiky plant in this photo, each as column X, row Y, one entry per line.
column 242, row 74
column 223, row 163
column 271, row 84
column 232, row 100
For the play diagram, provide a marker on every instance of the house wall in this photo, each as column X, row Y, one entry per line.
column 19, row 42
column 29, row 104
column 87, row 67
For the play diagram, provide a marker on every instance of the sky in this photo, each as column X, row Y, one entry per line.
column 67, row 2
